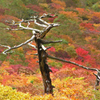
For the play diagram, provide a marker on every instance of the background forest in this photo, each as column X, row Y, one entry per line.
column 79, row 30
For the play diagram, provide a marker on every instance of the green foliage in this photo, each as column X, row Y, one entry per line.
column 64, row 41
column 2, row 57
column 32, row 81
column 72, row 35
column 11, row 61
column 71, row 51
column 96, row 6
column 21, row 11
column 26, row 2
column 17, row 57
column 55, row 64
column 6, row 38
column 17, row 8
column 68, row 78
column 2, row 25
column 91, row 2
column 97, row 95
column 69, row 26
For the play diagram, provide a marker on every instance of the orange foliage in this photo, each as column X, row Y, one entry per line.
column 69, row 14
column 84, row 13
column 81, row 10
column 97, row 14
column 75, row 89
column 32, row 59
column 61, row 3
column 36, row 8
column 14, row 80
column 8, row 17
column 67, row 38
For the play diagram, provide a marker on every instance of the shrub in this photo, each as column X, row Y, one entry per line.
column 7, row 93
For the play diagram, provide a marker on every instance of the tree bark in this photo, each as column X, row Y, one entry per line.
column 44, row 68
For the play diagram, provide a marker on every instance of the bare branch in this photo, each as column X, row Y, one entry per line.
column 45, row 15
column 5, row 46
column 97, row 76
column 13, row 29
column 47, row 42
column 28, row 24
column 42, row 25
column 28, row 28
column 10, row 48
column 43, row 47
column 40, row 19
column 94, row 69
column 48, row 29
column 32, row 45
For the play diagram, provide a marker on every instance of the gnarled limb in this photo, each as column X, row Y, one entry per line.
column 11, row 48
column 84, row 67
column 38, row 36
column 94, row 69
column 42, row 55
column 45, row 31
column 32, row 45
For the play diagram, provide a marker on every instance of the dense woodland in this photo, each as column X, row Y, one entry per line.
column 79, row 30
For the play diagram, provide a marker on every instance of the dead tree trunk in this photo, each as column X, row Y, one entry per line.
column 44, row 68
column 38, row 36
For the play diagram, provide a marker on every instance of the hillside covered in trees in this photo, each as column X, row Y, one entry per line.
column 79, row 30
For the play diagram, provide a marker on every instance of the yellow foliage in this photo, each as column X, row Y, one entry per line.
column 7, row 93
column 88, row 38
column 59, row 47
column 96, row 25
column 72, row 88
column 20, row 49
column 44, row 5
column 5, row 64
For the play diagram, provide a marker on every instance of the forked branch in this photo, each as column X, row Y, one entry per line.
column 38, row 36
column 42, row 33
column 15, row 47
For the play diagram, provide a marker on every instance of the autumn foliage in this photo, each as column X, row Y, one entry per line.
column 79, row 31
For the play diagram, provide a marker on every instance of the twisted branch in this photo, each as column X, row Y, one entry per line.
column 10, row 48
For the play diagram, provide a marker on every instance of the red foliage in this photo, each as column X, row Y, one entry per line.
column 36, row 8
column 2, row 10
column 54, row 69
column 96, row 19
column 83, row 55
column 8, row 18
column 52, row 19
column 19, row 69
column 81, row 52
column 62, row 54
column 87, row 25
column 52, row 49
column 56, row 6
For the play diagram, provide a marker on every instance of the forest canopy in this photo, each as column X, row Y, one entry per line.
column 79, row 31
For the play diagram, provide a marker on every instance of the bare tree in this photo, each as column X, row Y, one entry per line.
column 38, row 37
